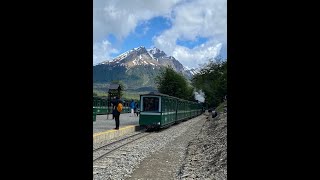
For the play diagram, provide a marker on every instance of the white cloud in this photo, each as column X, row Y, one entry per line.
column 102, row 51
column 190, row 19
column 206, row 18
column 198, row 55
column 201, row 18
column 121, row 17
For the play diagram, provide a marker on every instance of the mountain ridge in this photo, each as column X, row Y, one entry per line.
column 138, row 67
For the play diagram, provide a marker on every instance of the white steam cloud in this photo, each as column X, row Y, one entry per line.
column 199, row 96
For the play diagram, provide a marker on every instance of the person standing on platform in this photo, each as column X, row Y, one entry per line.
column 136, row 109
column 113, row 106
column 132, row 106
column 116, row 113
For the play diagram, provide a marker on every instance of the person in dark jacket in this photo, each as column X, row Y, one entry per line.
column 136, row 108
column 115, row 112
column 113, row 107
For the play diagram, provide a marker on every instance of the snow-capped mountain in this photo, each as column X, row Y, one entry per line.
column 142, row 56
column 138, row 66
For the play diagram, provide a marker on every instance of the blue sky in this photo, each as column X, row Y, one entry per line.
column 142, row 35
column 192, row 44
column 192, row 35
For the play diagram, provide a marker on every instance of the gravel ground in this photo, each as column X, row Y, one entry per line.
column 121, row 163
column 166, row 163
column 195, row 149
column 207, row 154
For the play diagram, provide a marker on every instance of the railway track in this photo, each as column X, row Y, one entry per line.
column 104, row 150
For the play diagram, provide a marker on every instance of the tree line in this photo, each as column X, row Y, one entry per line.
column 211, row 79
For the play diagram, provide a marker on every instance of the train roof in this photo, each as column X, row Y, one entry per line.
column 155, row 94
column 166, row 95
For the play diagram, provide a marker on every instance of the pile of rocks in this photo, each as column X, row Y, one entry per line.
column 206, row 156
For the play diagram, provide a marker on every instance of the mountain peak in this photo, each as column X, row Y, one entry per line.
column 156, row 53
column 154, row 49
column 140, row 56
column 140, row 65
column 139, row 48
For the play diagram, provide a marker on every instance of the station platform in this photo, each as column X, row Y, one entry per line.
column 104, row 124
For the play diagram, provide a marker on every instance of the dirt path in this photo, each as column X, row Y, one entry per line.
column 166, row 163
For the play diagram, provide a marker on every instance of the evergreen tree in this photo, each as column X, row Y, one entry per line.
column 174, row 84
column 212, row 80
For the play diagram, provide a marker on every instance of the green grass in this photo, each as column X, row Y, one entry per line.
column 100, row 93
column 131, row 95
column 220, row 107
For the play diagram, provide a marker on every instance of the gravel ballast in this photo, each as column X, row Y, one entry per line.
column 207, row 154
column 121, row 163
column 194, row 149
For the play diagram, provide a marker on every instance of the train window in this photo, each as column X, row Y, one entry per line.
column 150, row 104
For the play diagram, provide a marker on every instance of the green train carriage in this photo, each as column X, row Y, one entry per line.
column 151, row 110
column 161, row 110
column 101, row 105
